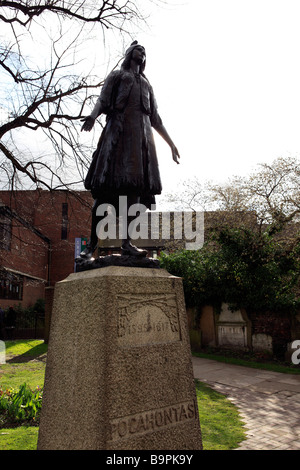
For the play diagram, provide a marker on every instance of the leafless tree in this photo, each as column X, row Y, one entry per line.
column 272, row 192
column 47, row 80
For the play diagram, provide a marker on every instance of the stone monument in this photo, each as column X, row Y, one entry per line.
column 119, row 372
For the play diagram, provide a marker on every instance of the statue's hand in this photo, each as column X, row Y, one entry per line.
column 175, row 154
column 88, row 123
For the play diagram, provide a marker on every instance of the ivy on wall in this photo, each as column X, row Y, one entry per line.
column 242, row 267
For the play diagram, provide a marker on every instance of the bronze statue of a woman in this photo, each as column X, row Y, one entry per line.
column 125, row 161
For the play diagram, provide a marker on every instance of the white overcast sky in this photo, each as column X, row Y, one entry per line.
column 226, row 75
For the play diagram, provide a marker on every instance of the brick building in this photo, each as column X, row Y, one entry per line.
column 38, row 233
column 38, row 230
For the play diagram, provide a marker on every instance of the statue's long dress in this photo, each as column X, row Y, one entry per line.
column 125, row 160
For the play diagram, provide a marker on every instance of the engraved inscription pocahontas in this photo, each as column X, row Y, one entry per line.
column 153, row 420
column 147, row 319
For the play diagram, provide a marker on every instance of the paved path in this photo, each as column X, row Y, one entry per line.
column 269, row 402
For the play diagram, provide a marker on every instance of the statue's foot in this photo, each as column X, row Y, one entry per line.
column 87, row 253
column 131, row 250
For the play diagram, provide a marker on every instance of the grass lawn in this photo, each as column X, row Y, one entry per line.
column 221, row 426
column 20, row 438
column 25, row 362
column 249, row 361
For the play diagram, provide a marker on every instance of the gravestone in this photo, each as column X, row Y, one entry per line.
column 2, row 352
column 262, row 342
column 119, row 373
column 232, row 329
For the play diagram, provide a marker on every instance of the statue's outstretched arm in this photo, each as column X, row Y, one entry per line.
column 164, row 134
column 89, row 121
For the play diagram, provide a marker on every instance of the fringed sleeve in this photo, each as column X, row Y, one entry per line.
column 105, row 101
column 155, row 118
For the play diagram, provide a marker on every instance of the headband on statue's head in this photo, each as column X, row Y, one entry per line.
column 133, row 45
column 126, row 63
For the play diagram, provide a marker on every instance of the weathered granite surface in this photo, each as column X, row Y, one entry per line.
column 119, row 371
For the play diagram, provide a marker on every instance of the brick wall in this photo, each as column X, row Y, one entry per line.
column 28, row 252
column 277, row 325
column 59, row 216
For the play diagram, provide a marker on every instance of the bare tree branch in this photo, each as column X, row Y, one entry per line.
column 106, row 11
column 272, row 193
column 46, row 93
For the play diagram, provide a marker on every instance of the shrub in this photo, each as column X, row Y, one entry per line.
column 27, row 317
column 20, row 406
column 241, row 267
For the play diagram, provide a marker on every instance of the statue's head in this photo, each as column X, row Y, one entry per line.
column 133, row 49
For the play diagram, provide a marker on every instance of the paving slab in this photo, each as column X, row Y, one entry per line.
column 268, row 402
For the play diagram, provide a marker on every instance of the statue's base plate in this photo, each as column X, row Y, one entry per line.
column 116, row 260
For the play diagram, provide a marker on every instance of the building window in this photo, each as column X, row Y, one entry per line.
column 64, row 224
column 11, row 286
column 5, row 231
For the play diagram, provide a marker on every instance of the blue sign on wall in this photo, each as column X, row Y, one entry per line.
column 80, row 244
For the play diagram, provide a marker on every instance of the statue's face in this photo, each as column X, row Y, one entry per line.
column 139, row 54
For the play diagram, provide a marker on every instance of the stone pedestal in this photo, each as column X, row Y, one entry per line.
column 119, row 372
